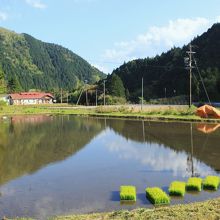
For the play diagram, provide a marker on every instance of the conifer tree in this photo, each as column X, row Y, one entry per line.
column 115, row 86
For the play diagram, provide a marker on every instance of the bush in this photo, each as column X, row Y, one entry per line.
column 194, row 184
column 211, row 182
column 177, row 188
column 157, row 196
column 114, row 100
column 128, row 193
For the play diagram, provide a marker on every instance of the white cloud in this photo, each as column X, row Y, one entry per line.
column 3, row 16
column 101, row 68
column 158, row 39
column 154, row 156
column 36, row 4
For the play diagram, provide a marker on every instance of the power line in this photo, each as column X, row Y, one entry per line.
column 202, row 80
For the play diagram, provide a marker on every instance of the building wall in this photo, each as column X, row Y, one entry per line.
column 31, row 101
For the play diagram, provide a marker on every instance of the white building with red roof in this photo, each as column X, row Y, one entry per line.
column 30, row 98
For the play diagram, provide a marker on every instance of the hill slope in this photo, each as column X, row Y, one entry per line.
column 167, row 71
column 38, row 65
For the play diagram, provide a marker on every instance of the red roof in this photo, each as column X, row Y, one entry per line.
column 30, row 95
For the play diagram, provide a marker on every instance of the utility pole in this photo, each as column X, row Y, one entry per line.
column 190, row 67
column 96, row 98
column 61, row 96
column 142, row 93
column 104, row 92
column 79, row 97
column 86, row 97
column 86, row 91
column 67, row 98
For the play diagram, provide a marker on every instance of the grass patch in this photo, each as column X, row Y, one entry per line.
column 211, row 182
column 157, row 196
column 194, row 184
column 127, row 193
column 208, row 210
column 171, row 113
column 177, row 188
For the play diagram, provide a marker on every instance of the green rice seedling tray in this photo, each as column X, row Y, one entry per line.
column 157, row 196
column 177, row 188
column 127, row 193
column 211, row 183
column 194, row 184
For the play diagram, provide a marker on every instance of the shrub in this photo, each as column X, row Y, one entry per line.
column 157, row 196
column 194, row 184
column 177, row 188
column 114, row 100
column 128, row 193
column 211, row 182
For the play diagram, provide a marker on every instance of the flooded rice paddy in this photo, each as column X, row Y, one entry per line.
column 62, row 165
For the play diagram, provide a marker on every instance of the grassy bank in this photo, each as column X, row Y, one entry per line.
column 179, row 113
column 207, row 210
column 201, row 210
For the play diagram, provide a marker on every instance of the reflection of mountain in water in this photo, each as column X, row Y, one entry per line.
column 174, row 135
column 29, row 143
column 26, row 146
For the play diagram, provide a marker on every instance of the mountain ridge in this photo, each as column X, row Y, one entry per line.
column 165, row 75
column 35, row 64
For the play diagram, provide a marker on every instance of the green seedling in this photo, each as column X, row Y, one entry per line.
column 127, row 193
column 177, row 188
column 157, row 196
column 194, row 184
column 211, row 182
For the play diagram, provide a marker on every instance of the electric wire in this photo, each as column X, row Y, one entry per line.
column 201, row 80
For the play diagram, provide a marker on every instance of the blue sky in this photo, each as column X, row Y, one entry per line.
column 109, row 32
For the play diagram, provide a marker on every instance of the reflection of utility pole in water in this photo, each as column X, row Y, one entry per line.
column 105, row 123
column 190, row 165
column 143, row 130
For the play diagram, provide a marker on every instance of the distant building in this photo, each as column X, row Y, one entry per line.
column 30, row 98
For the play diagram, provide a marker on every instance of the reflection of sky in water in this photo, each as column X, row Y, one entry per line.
column 86, row 178
column 156, row 157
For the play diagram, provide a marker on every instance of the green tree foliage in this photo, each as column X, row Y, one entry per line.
column 2, row 82
column 115, row 86
column 44, row 66
column 167, row 71
column 13, row 85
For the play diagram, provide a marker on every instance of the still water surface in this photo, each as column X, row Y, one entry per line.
column 61, row 165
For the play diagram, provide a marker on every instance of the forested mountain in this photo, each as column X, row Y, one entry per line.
column 27, row 63
column 166, row 73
